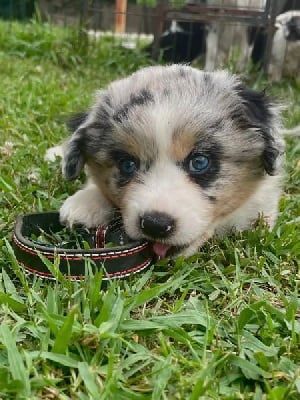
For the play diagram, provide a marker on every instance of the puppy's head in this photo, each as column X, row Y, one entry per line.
column 176, row 150
column 292, row 29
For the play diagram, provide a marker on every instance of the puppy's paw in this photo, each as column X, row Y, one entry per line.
column 86, row 207
column 53, row 152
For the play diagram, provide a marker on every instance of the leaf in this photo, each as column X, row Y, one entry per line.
column 140, row 325
column 16, row 267
column 185, row 317
column 12, row 303
column 162, row 372
column 61, row 359
column 54, row 268
column 15, row 361
column 205, row 377
column 149, row 294
column 9, row 285
column 94, row 292
column 244, row 318
column 64, row 334
column 106, row 306
column 249, row 370
column 297, row 384
column 255, row 345
column 89, row 380
column 278, row 393
column 166, row 321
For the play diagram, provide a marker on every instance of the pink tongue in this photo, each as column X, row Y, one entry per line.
column 160, row 249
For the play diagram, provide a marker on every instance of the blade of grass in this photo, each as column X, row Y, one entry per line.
column 89, row 380
column 64, row 334
column 15, row 360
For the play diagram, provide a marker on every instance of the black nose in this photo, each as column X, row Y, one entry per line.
column 157, row 225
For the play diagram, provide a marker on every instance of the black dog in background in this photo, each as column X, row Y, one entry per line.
column 185, row 41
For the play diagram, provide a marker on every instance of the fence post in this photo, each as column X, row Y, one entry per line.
column 83, row 26
column 271, row 8
column 120, row 18
column 160, row 15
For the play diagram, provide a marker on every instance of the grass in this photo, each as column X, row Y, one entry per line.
column 223, row 324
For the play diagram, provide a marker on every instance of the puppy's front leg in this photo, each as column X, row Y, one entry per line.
column 86, row 207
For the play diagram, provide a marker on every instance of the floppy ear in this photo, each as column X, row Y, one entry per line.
column 76, row 120
column 73, row 160
column 262, row 115
column 272, row 154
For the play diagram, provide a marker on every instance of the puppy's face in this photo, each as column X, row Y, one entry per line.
column 176, row 150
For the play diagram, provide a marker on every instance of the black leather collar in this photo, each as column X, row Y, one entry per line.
column 118, row 262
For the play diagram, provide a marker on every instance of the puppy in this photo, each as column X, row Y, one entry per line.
column 285, row 54
column 225, row 38
column 181, row 153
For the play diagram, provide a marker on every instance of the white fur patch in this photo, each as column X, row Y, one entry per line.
column 53, row 152
column 86, row 207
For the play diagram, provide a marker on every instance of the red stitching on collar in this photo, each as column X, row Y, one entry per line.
column 124, row 273
column 66, row 256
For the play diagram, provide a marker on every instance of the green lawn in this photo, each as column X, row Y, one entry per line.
column 224, row 324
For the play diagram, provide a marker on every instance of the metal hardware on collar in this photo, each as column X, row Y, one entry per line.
column 118, row 262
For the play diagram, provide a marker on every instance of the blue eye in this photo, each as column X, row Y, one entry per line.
column 128, row 167
column 198, row 163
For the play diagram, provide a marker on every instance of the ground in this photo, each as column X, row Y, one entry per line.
column 223, row 324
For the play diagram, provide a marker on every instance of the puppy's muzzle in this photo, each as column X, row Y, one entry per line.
column 157, row 225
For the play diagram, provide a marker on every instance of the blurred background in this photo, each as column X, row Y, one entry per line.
column 212, row 33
